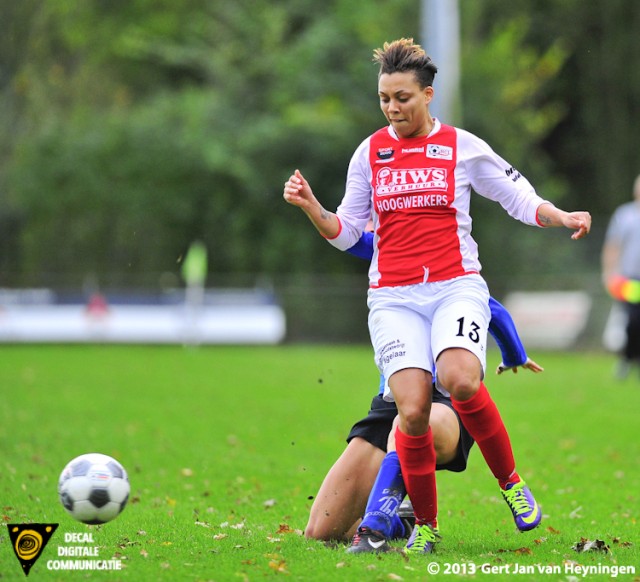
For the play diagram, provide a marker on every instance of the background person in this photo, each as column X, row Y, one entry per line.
column 621, row 263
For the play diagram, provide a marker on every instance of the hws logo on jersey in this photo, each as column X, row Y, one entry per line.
column 439, row 152
column 391, row 182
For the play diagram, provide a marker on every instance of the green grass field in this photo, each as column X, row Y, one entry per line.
column 226, row 446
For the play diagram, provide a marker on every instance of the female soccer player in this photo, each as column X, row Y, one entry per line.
column 427, row 301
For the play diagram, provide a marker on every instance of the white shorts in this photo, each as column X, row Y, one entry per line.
column 410, row 326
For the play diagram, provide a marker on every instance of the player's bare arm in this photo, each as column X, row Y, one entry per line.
column 297, row 192
column 578, row 221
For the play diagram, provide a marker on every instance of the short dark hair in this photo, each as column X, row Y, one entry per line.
column 400, row 56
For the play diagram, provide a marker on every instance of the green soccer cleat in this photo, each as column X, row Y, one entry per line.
column 422, row 540
column 525, row 509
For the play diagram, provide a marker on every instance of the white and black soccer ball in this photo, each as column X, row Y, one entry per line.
column 93, row 488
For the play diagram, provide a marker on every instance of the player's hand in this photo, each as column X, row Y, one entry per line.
column 298, row 192
column 580, row 222
column 528, row 365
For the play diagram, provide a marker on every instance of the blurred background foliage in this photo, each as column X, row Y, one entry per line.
column 131, row 128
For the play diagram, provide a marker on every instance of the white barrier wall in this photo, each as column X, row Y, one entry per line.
column 242, row 323
column 549, row 320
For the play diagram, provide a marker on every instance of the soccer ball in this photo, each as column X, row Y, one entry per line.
column 93, row 488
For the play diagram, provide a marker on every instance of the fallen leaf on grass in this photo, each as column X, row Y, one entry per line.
column 278, row 566
column 519, row 551
column 269, row 503
column 553, row 530
column 285, row 529
column 575, row 514
column 585, row 545
column 220, row 536
column 233, row 526
column 203, row 523
column 144, row 553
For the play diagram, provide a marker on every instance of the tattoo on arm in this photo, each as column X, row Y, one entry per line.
column 324, row 214
column 544, row 220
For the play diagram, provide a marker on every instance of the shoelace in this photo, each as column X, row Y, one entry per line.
column 518, row 501
column 359, row 533
column 424, row 535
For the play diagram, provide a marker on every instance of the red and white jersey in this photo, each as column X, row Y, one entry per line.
column 417, row 191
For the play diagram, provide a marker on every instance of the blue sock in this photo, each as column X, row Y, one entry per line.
column 386, row 495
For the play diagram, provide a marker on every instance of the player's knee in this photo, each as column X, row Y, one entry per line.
column 461, row 384
column 314, row 531
column 460, row 372
column 310, row 532
column 463, row 388
column 414, row 418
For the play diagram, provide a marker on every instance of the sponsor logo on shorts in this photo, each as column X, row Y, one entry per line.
column 390, row 351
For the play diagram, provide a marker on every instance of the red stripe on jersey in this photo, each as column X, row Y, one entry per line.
column 337, row 234
column 413, row 183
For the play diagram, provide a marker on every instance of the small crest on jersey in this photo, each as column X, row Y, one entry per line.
column 385, row 153
column 439, row 152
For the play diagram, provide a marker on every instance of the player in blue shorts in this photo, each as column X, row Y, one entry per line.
column 369, row 467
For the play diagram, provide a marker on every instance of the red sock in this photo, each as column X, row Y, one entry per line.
column 418, row 464
column 481, row 418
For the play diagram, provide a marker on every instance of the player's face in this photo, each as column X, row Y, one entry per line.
column 405, row 104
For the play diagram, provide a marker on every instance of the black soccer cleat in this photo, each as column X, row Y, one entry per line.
column 368, row 540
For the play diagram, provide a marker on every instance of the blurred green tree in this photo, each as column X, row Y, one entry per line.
column 152, row 124
column 131, row 128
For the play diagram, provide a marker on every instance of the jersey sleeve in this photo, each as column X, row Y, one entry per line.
column 363, row 249
column 503, row 330
column 494, row 178
column 354, row 211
